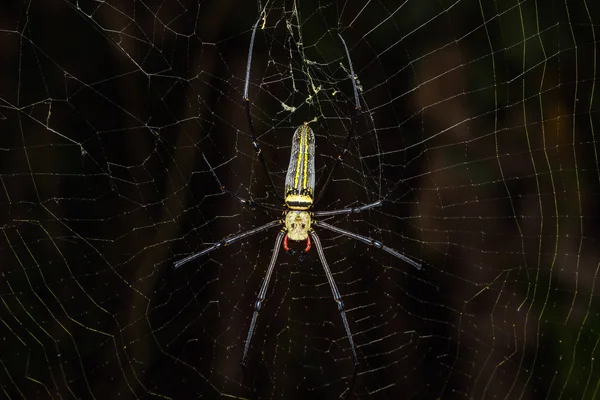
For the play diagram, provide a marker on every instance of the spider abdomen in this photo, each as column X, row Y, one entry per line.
column 300, row 177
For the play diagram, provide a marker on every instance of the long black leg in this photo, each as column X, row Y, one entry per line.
column 247, row 202
column 246, row 100
column 336, row 294
column 226, row 242
column 344, row 211
column 369, row 241
column 351, row 131
column 262, row 294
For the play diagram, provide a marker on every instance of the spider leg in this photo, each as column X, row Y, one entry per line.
column 226, row 242
column 336, row 294
column 344, row 211
column 369, row 241
column 247, row 202
column 353, row 122
column 262, row 294
column 246, row 100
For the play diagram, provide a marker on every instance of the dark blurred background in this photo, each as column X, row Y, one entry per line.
column 479, row 129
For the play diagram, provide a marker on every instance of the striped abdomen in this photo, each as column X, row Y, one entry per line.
column 300, row 178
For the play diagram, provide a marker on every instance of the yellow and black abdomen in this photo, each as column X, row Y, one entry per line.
column 300, row 178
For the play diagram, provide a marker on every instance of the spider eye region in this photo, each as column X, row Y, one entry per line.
column 297, row 224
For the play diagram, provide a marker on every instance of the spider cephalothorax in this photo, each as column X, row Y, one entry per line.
column 297, row 226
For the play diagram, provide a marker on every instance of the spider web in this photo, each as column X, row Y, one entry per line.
column 477, row 130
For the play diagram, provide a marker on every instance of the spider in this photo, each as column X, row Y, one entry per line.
column 299, row 197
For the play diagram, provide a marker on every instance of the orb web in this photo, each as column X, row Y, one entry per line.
column 477, row 131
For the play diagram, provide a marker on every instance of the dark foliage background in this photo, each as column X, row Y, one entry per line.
column 479, row 129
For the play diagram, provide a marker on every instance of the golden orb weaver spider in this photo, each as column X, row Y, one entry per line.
column 297, row 222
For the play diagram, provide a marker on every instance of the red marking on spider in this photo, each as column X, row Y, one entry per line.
column 307, row 245
column 285, row 243
column 286, row 246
